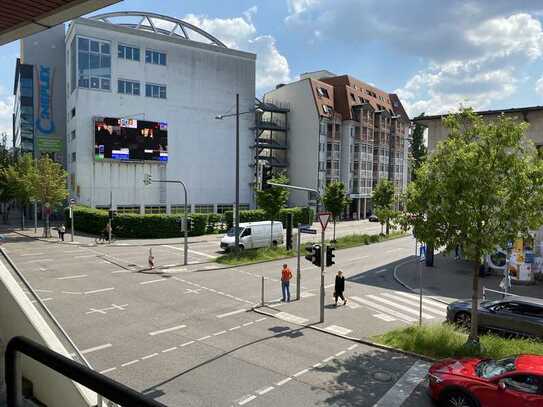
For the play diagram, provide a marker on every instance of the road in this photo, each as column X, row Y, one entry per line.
column 187, row 335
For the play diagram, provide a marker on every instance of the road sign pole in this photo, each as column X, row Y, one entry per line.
column 72, row 223
column 35, row 217
column 323, row 254
column 298, row 276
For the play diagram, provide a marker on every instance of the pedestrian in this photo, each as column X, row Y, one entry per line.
column 108, row 231
column 61, row 231
column 286, row 275
column 151, row 259
column 339, row 287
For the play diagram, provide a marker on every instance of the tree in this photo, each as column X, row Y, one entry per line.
column 418, row 149
column 18, row 177
column 482, row 187
column 49, row 186
column 335, row 199
column 272, row 200
column 6, row 192
column 383, row 202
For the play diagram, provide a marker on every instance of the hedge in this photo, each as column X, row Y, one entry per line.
column 93, row 221
column 301, row 215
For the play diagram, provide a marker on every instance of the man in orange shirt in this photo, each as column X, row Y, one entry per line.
column 286, row 275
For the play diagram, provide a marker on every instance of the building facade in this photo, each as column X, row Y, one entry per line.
column 156, row 84
column 343, row 129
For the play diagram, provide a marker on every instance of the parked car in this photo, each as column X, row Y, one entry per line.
column 511, row 382
column 514, row 315
column 373, row 218
column 253, row 235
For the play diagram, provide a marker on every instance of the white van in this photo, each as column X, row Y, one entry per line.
column 253, row 235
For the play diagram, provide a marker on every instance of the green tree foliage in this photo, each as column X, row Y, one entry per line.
column 335, row 200
column 418, row 149
column 6, row 192
column 49, row 185
column 482, row 187
column 272, row 200
column 383, row 202
column 18, row 177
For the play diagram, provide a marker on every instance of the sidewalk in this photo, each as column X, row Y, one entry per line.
column 450, row 279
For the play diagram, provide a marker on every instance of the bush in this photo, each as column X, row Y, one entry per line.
column 93, row 221
column 301, row 215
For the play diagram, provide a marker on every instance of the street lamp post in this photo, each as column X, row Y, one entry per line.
column 236, row 204
column 148, row 180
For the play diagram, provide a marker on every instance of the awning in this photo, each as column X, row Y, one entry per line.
column 20, row 18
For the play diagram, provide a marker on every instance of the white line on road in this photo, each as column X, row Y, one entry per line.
column 153, row 281
column 169, row 349
column 383, row 309
column 219, row 333
column 416, row 303
column 384, row 317
column 72, row 292
column 161, row 331
column 266, row 390
column 186, row 344
column 94, row 349
column 353, row 347
column 234, row 328
column 99, row 291
column 291, row 318
column 72, row 277
column 84, row 256
column 191, row 251
column 301, row 372
column 248, row 323
column 152, row 355
column 338, row 330
column 341, row 353
column 288, row 379
column 400, row 306
column 316, row 365
column 120, row 271
column 111, row 369
column 402, row 389
column 203, row 338
column 328, row 359
column 247, row 399
column 32, row 254
column 424, row 300
column 130, row 363
column 260, row 319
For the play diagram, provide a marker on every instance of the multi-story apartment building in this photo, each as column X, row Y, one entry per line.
column 343, row 129
column 139, row 94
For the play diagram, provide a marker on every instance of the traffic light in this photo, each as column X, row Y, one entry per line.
column 330, row 256
column 112, row 213
column 314, row 254
column 267, row 175
column 147, row 179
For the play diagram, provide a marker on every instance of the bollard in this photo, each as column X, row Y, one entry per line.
column 262, row 302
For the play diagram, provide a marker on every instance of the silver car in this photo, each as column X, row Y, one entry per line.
column 514, row 315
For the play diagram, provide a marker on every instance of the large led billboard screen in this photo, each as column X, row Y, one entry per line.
column 130, row 139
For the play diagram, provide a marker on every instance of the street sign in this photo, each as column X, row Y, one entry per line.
column 72, row 201
column 308, row 231
column 324, row 217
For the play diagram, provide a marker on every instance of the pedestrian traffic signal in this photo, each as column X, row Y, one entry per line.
column 330, row 256
column 147, row 179
column 314, row 254
column 267, row 175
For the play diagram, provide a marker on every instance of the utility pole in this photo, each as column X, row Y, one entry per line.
column 298, row 273
column 236, row 213
column 323, row 264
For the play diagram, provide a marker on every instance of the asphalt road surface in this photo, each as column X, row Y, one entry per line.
column 187, row 336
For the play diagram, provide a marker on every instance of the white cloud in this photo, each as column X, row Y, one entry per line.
column 240, row 33
column 6, row 111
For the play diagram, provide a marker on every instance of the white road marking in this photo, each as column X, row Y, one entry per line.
column 158, row 280
column 317, row 365
column 247, row 399
column 152, row 355
column 84, row 256
column 341, row 353
column 72, row 292
column 99, row 347
column 161, row 331
column 353, row 346
column 93, row 310
column 32, row 254
column 260, row 319
column 169, row 349
column 121, row 271
column 416, row 303
column 203, row 338
column 424, row 300
column 383, row 309
column 186, row 344
column 266, row 390
column 73, row 251
column 42, row 291
column 248, row 323
column 338, row 329
column 72, row 277
column 402, row 389
column 130, row 363
column 99, row 291
column 219, row 333
column 191, row 251
column 38, row 261
column 288, row 379
column 328, row 359
column 400, row 306
column 291, row 318
column 111, row 369
column 307, row 294
column 301, row 372
column 234, row 328
column 384, row 317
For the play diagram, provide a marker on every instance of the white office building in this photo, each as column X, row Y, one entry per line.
column 143, row 67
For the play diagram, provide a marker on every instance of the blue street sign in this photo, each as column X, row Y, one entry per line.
column 309, row 231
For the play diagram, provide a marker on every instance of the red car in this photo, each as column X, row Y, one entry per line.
column 511, row 382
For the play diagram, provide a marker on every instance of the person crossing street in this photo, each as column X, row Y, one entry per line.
column 286, row 275
column 339, row 287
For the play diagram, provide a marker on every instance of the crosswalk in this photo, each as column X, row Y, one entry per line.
column 401, row 306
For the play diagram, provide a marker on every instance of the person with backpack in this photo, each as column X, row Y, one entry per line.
column 286, row 275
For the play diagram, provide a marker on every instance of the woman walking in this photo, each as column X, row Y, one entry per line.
column 339, row 288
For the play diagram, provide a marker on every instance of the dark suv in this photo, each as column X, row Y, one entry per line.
column 516, row 315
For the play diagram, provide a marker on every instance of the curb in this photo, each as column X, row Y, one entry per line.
column 397, row 279
column 353, row 339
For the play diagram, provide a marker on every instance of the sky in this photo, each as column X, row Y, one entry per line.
column 437, row 55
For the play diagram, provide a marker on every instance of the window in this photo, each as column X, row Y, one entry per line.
column 94, row 64
column 523, row 383
column 73, row 134
column 155, row 91
column 203, row 208
column 73, row 112
column 128, row 209
column 155, row 57
column 73, row 156
column 128, row 87
column 323, row 93
column 327, row 109
column 130, row 53
column 155, row 210
column 221, row 208
column 353, row 97
column 246, row 232
column 179, row 209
